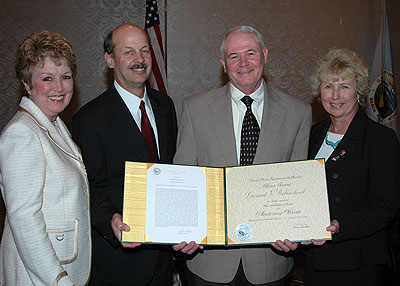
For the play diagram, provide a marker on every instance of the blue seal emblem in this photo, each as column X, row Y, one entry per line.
column 156, row 171
column 244, row 232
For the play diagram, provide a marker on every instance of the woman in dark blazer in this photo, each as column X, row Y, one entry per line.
column 363, row 177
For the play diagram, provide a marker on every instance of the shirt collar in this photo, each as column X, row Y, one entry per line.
column 130, row 98
column 257, row 96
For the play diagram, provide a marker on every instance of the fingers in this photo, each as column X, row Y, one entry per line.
column 306, row 243
column 187, row 248
column 334, row 227
column 291, row 245
column 124, row 227
column 318, row 242
column 314, row 242
column 277, row 245
column 180, row 246
column 285, row 246
column 131, row 245
column 118, row 226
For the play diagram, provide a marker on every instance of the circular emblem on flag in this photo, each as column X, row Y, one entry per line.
column 244, row 232
column 382, row 98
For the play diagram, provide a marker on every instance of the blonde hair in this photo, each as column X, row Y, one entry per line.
column 33, row 50
column 341, row 64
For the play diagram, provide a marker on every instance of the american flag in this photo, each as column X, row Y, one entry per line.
column 158, row 77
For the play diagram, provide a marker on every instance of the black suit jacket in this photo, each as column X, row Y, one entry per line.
column 108, row 136
column 363, row 179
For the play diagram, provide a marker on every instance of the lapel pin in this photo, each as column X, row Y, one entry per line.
column 341, row 153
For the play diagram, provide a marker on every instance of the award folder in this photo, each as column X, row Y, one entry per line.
column 242, row 205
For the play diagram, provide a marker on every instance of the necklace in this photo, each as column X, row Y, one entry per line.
column 331, row 143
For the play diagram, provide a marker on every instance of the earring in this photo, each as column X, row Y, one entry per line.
column 358, row 100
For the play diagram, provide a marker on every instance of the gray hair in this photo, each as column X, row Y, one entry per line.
column 244, row 29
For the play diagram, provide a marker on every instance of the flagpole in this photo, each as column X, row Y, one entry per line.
column 166, row 39
column 382, row 32
column 383, row 28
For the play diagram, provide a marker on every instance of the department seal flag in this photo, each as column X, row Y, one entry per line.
column 381, row 104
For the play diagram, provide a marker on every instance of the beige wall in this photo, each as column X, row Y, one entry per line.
column 296, row 32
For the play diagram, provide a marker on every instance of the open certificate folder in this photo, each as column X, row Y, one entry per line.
column 256, row 204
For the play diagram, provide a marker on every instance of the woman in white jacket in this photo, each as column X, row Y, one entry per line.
column 46, row 238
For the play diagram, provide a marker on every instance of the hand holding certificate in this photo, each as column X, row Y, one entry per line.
column 255, row 204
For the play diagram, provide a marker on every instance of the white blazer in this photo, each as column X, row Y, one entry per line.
column 46, row 237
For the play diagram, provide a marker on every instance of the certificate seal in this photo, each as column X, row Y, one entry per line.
column 244, row 232
column 157, row 171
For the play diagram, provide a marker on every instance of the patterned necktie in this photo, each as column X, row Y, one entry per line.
column 148, row 134
column 250, row 133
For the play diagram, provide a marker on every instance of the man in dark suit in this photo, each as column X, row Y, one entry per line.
column 110, row 130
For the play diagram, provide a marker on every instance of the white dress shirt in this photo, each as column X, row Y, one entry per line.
column 239, row 110
column 132, row 101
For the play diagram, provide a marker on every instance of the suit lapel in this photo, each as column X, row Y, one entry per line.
column 121, row 120
column 63, row 141
column 221, row 117
column 162, row 126
column 352, row 140
column 273, row 116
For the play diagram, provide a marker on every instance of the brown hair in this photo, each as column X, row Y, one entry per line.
column 33, row 50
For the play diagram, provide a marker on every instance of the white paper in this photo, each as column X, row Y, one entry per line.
column 277, row 201
column 176, row 203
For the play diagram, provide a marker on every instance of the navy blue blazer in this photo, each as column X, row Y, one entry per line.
column 108, row 136
column 363, row 179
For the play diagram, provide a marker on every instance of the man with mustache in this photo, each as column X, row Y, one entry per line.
column 128, row 122
column 214, row 131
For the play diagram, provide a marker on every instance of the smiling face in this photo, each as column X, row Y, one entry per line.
column 52, row 87
column 339, row 98
column 131, row 58
column 244, row 61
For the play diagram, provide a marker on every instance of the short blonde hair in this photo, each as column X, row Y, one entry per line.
column 341, row 64
column 33, row 50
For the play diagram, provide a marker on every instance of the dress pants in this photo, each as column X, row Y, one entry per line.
column 239, row 280
column 162, row 274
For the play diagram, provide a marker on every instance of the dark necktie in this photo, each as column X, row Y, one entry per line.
column 250, row 133
column 148, row 134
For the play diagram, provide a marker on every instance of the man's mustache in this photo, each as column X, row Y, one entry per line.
column 138, row 66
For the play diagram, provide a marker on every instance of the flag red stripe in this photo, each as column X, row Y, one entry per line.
column 158, row 76
column 159, row 38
